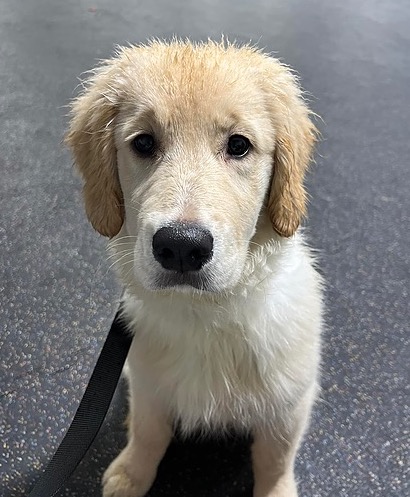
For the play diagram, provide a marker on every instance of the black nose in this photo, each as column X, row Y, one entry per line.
column 182, row 247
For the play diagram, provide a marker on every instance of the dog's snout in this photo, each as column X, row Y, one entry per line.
column 182, row 247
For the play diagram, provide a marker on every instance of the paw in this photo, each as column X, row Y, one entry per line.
column 283, row 487
column 120, row 480
column 278, row 492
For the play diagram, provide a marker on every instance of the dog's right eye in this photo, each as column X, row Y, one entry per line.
column 238, row 146
column 143, row 144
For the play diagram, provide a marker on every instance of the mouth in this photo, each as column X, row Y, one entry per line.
column 175, row 279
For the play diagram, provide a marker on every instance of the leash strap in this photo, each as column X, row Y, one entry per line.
column 90, row 413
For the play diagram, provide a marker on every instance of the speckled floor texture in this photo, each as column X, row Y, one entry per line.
column 57, row 294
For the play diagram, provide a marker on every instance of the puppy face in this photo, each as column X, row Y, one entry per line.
column 181, row 148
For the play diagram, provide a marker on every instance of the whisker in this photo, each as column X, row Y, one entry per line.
column 118, row 254
column 125, row 252
column 120, row 259
column 128, row 273
column 121, row 244
column 121, row 238
column 124, row 264
column 127, row 238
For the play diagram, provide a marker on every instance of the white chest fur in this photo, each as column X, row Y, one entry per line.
column 238, row 359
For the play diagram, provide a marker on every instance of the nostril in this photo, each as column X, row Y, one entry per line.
column 197, row 258
column 182, row 247
column 204, row 251
column 166, row 253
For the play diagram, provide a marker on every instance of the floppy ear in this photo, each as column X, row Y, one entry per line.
column 91, row 139
column 296, row 136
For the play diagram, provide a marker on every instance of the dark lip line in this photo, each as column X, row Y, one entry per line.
column 175, row 279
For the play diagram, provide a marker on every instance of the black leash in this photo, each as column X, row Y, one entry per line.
column 90, row 413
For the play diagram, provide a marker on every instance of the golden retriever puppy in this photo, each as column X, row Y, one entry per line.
column 193, row 158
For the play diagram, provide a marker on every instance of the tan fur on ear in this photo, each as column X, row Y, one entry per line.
column 91, row 139
column 296, row 136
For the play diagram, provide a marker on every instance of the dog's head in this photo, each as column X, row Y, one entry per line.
column 181, row 148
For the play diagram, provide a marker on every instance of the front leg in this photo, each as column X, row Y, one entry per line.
column 133, row 472
column 274, row 451
column 273, row 467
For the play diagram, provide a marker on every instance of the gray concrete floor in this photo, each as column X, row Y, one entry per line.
column 57, row 295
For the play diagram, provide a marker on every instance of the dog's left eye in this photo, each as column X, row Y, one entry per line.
column 144, row 144
column 238, row 146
